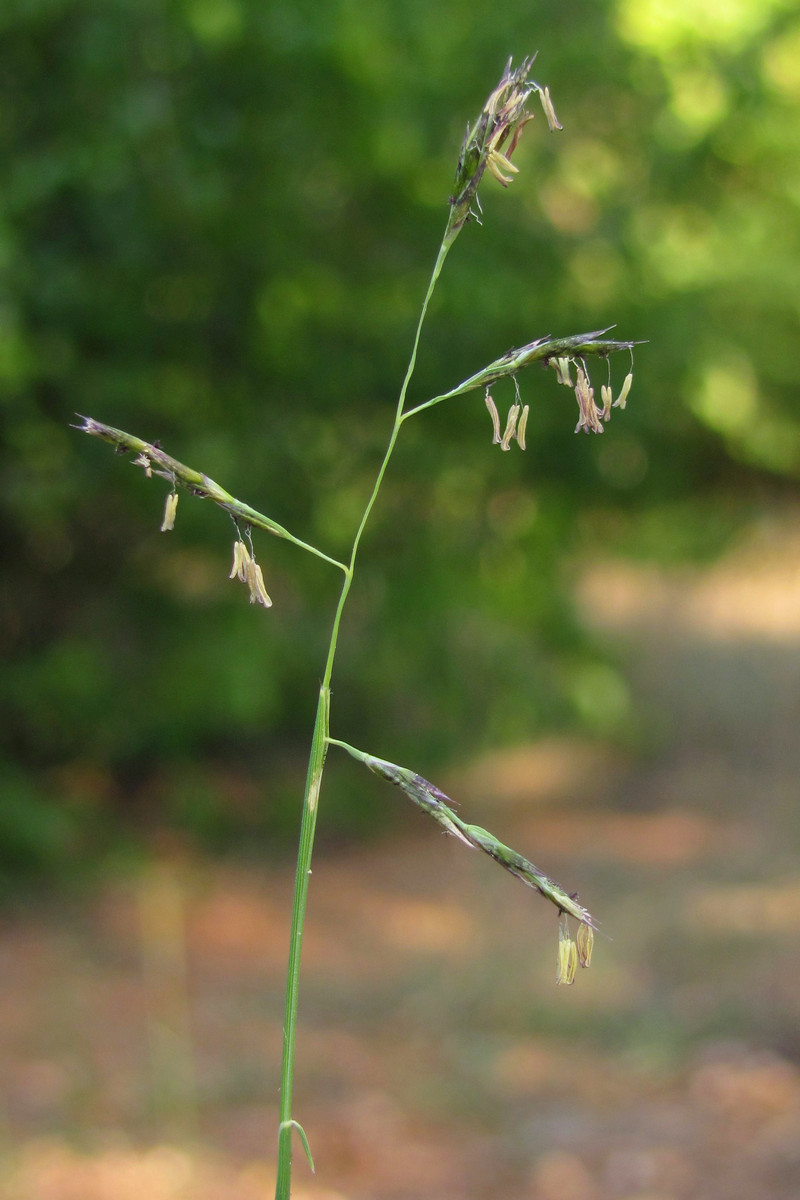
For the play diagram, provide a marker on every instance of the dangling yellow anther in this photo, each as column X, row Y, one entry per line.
column 522, row 426
column 511, row 425
column 567, row 955
column 549, row 111
column 561, row 367
column 241, row 560
column 622, row 398
column 255, row 581
column 494, row 414
column 585, row 944
column 607, row 395
column 170, row 509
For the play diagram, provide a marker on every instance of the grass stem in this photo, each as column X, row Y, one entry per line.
column 316, row 765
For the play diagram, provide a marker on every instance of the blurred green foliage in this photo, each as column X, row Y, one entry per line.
column 217, row 220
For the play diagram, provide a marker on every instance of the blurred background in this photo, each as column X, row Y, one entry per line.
column 217, row 222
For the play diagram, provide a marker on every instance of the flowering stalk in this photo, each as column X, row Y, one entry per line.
column 491, row 141
column 489, row 145
column 432, row 800
column 154, row 461
column 546, row 350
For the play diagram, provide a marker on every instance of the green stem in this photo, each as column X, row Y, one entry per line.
column 316, row 766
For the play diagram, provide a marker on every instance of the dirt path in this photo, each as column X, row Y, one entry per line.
column 140, row 1032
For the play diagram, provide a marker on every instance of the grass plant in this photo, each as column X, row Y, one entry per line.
column 489, row 145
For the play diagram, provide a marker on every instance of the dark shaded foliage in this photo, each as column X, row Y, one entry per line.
column 216, row 224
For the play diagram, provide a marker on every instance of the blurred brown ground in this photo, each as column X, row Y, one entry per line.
column 140, row 1031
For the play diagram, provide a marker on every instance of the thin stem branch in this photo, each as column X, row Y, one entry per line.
column 542, row 350
column 156, row 462
column 436, row 804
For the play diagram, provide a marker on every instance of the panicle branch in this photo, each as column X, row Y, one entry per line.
column 559, row 352
column 543, row 350
column 490, row 142
column 433, row 801
column 155, row 461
